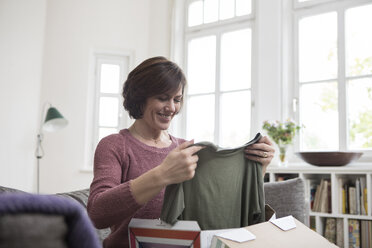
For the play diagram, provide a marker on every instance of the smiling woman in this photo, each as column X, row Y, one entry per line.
column 133, row 167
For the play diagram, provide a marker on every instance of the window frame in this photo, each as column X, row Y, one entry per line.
column 218, row 28
column 310, row 3
column 314, row 8
column 125, row 61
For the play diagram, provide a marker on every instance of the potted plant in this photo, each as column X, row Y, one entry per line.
column 282, row 133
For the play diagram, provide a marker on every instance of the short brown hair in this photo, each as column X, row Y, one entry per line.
column 153, row 77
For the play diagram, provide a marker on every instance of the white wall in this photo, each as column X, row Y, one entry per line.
column 22, row 24
column 46, row 52
column 268, row 95
column 74, row 30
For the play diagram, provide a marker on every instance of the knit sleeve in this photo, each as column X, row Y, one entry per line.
column 110, row 201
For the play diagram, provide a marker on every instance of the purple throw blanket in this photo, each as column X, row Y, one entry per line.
column 81, row 233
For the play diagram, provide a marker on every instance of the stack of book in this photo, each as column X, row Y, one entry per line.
column 353, row 196
column 320, row 194
column 360, row 233
column 334, row 231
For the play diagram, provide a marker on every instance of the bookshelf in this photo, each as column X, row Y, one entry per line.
column 337, row 178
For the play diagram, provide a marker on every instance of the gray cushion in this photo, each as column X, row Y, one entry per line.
column 287, row 198
column 82, row 197
column 32, row 230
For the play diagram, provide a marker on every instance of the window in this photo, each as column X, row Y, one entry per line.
column 334, row 74
column 218, row 45
column 111, row 71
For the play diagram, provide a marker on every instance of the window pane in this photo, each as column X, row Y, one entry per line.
column 235, row 119
column 236, row 60
column 110, row 77
column 243, row 7
column 195, row 13
column 360, row 113
column 108, row 111
column 358, row 41
column 227, row 9
column 200, row 118
column 318, row 47
column 319, row 115
column 210, row 11
column 201, row 65
column 103, row 132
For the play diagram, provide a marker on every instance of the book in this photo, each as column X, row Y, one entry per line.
column 330, row 230
column 352, row 200
column 340, row 195
column 357, row 196
column 329, row 198
column 346, row 189
column 354, row 234
column 369, row 232
column 365, row 200
column 364, row 235
column 324, row 198
column 343, row 201
column 312, row 223
column 312, row 195
column 363, row 196
column 317, row 196
column 340, row 232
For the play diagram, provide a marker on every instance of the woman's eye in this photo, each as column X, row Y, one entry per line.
column 177, row 100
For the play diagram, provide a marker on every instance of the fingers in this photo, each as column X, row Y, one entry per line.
column 265, row 140
column 193, row 149
column 185, row 145
column 264, row 153
column 261, row 147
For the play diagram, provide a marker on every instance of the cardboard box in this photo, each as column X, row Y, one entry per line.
column 157, row 234
column 187, row 234
column 269, row 235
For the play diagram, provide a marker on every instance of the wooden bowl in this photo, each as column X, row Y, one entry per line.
column 329, row 158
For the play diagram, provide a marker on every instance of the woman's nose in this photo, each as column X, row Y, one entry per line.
column 170, row 106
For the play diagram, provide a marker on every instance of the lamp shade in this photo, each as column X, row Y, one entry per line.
column 54, row 120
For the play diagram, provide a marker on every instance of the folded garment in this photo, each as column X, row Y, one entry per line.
column 80, row 231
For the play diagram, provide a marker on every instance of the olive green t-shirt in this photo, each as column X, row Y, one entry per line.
column 226, row 191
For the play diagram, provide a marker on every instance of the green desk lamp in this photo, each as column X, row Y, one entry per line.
column 53, row 122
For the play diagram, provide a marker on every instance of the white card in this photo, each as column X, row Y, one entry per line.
column 239, row 235
column 284, row 223
column 206, row 237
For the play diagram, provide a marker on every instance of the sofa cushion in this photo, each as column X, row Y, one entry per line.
column 287, row 198
column 32, row 231
column 80, row 231
column 81, row 196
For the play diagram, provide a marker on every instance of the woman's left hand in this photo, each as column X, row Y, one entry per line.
column 263, row 152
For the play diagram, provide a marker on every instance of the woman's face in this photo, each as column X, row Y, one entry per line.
column 160, row 110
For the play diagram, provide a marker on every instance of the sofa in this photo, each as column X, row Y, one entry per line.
column 286, row 198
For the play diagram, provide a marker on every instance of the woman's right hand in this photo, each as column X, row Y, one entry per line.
column 180, row 164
